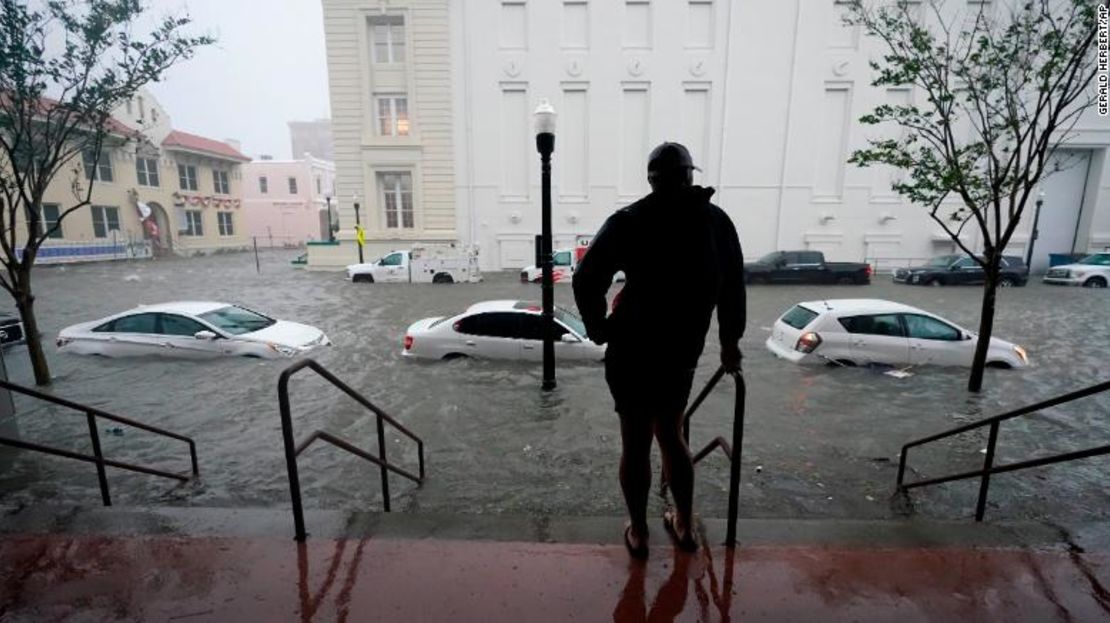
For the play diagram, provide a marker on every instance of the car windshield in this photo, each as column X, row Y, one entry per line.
column 236, row 320
column 943, row 260
column 770, row 258
column 1098, row 259
column 574, row 323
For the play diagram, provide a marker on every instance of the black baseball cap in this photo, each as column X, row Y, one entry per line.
column 670, row 156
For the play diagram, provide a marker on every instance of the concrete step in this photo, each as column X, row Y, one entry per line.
column 333, row 524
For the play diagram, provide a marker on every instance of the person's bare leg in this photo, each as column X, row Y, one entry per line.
column 635, row 473
column 679, row 468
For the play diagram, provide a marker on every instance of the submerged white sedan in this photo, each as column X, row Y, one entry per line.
column 193, row 330
column 873, row 331
column 499, row 330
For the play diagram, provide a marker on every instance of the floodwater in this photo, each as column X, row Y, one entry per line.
column 819, row 442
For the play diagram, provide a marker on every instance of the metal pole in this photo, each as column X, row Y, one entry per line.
column 100, row 474
column 985, row 481
column 358, row 225
column 381, row 455
column 737, row 456
column 257, row 266
column 1033, row 235
column 291, row 456
column 331, row 232
column 545, row 143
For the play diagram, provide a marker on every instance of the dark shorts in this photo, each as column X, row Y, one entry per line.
column 641, row 389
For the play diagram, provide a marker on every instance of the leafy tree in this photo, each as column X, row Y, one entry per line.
column 1000, row 91
column 64, row 66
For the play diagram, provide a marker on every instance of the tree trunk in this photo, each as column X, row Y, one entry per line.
column 25, row 303
column 986, row 328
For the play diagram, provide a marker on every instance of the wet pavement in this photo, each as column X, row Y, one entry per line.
column 172, row 578
column 820, row 442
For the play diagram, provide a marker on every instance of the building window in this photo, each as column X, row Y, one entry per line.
column 292, row 186
column 148, row 171
column 397, row 199
column 227, row 226
column 194, row 225
column 263, row 185
column 105, row 219
column 97, row 169
column 393, row 116
column 318, row 185
column 219, row 182
column 387, row 39
column 50, row 213
column 187, row 176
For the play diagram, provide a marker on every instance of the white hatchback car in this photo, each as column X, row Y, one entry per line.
column 873, row 331
column 192, row 330
column 499, row 330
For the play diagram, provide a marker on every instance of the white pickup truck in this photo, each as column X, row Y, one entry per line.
column 432, row 264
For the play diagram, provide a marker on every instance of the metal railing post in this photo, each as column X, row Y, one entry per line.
column 381, row 455
column 291, row 454
column 193, row 457
column 902, row 467
column 985, row 480
column 737, row 455
column 100, row 473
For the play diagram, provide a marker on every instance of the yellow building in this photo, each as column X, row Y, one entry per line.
column 162, row 191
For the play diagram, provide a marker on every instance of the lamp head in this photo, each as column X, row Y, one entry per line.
column 545, row 118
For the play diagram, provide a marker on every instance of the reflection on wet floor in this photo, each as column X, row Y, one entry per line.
column 825, row 440
column 224, row 579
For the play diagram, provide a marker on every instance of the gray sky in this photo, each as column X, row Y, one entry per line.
column 267, row 68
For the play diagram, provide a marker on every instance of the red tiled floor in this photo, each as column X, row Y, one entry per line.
column 60, row 577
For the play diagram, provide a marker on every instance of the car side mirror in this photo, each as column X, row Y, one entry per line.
column 205, row 335
column 965, row 336
column 954, row 267
column 568, row 338
column 780, row 263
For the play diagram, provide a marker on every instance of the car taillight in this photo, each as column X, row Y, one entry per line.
column 808, row 342
column 408, row 342
column 870, row 271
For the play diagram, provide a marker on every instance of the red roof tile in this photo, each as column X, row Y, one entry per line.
column 192, row 142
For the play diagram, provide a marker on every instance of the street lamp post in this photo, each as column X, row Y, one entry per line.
column 358, row 228
column 545, row 144
column 1033, row 234
column 331, row 232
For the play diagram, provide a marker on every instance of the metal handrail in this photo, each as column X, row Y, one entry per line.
column 989, row 467
column 91, row 414
column 292, row 450
column 733, row 451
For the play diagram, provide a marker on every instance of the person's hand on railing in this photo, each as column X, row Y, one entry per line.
column 731, row 358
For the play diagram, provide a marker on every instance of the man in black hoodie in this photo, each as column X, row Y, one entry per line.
column 681, row 257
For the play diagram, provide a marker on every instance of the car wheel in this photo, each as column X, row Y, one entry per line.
column 362, row 279
column 1095, row 282
column 756, row 280
column 999, row 365
column 936, row 283
column 443, row 278
column 845, row 281
column 454, row 356
column 1005, row 282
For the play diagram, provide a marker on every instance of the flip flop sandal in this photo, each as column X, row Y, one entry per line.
column 639, row 553
column 688, row 544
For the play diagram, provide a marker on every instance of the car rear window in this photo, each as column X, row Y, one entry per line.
column 799, row 317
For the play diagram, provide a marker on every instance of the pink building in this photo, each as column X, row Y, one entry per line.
column 286, row 201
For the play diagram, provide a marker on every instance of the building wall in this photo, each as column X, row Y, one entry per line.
column 183, row 201
column 766, row 94
column 362, row 153
column 283, row 217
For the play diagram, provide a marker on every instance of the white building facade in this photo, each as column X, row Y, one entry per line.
column 766, row 94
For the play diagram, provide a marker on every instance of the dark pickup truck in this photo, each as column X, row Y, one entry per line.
column 951, row 270
column 805, row 267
